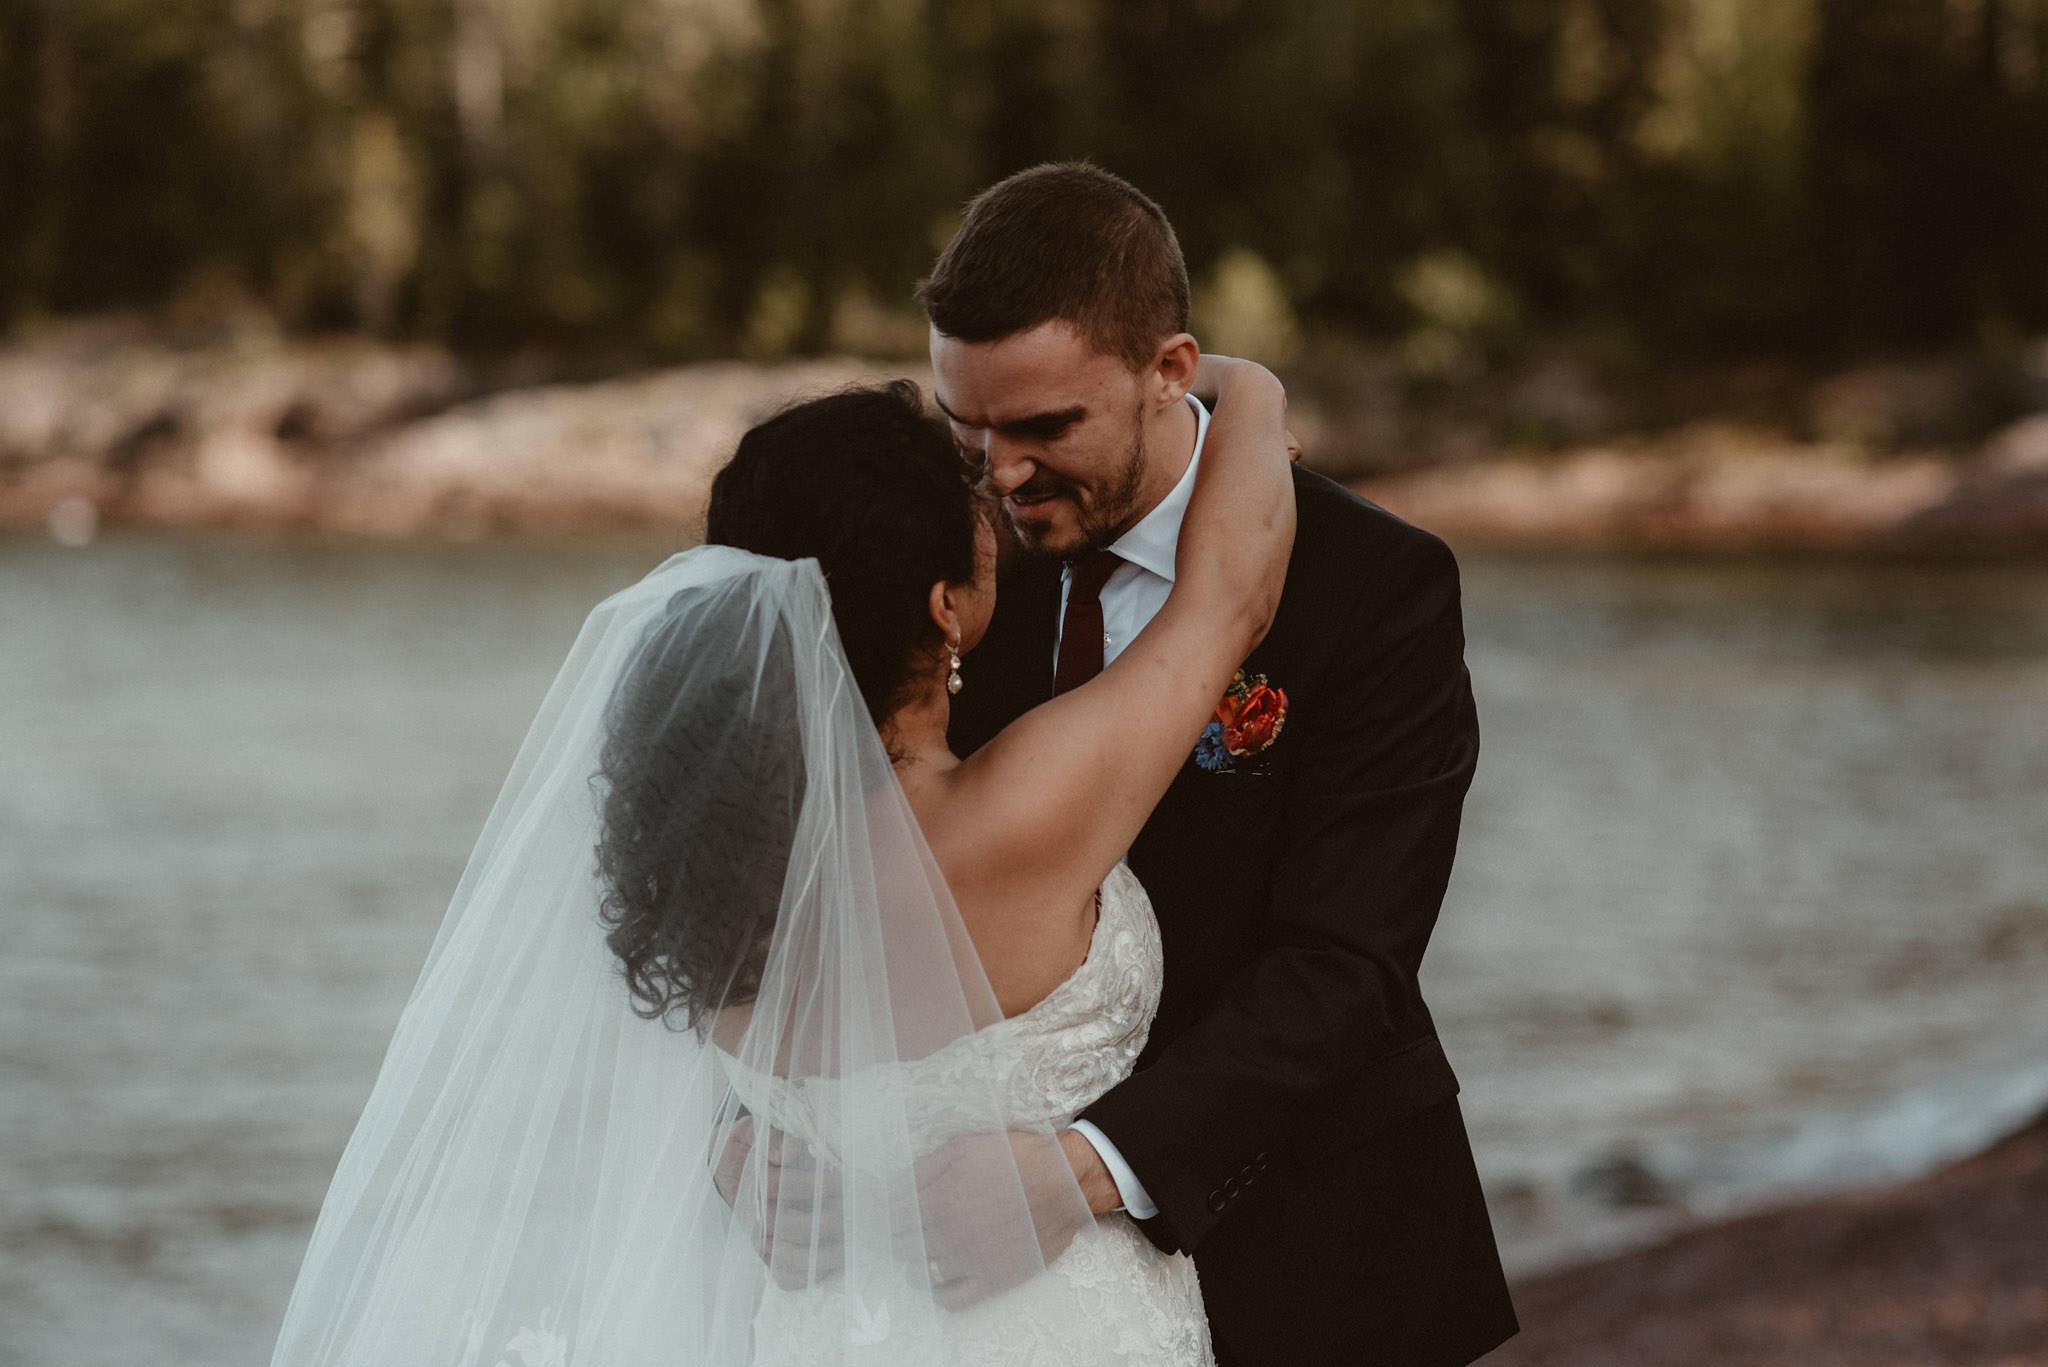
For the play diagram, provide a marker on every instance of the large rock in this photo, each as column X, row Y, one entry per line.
column 225, row 434
column 1710, row 488
column 351, row 437
column 623, row 454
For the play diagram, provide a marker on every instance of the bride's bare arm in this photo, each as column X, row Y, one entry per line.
column 1061, row 793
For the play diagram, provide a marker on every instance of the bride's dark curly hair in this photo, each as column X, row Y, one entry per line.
column 699, row 785
column 875, row 490
column 700, row 781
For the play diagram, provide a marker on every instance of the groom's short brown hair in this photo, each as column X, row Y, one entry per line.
column 1066, row 241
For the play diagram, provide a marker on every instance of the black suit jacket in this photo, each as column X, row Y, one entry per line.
column 1293, row 1114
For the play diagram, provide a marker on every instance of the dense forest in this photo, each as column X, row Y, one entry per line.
column 680, row 178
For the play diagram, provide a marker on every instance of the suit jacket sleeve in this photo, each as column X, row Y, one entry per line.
column 1328, row 1009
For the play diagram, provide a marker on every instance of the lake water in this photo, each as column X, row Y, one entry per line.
column 1753, row 895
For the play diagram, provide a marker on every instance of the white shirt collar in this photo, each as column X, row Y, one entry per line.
column 1153, row 540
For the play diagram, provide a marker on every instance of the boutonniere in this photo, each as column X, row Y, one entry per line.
column 1248, row 721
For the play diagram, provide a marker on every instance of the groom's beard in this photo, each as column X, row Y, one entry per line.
column 1101, row 517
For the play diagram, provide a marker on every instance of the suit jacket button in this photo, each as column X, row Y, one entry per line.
column 1217, row 1202
column 1259, row 1163
column 1232, row 1187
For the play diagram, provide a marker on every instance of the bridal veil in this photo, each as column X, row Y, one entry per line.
column 531, row 1183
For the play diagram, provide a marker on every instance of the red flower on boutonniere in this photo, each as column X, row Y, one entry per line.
column 1248, row 721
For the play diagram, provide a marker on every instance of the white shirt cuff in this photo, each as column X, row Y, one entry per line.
column 1136, row 1201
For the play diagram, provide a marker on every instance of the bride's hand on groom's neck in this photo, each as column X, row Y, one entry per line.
column 1212, row 378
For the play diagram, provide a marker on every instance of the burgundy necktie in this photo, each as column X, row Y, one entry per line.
column 1081, row 639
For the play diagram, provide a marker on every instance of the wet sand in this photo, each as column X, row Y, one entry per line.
column 1951, row 1269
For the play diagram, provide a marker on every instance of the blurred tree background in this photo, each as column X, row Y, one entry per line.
column 667, row 179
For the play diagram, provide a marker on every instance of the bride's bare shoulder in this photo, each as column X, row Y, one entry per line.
column 1030, row 930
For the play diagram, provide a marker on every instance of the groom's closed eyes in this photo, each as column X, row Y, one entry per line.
column 1033, row 427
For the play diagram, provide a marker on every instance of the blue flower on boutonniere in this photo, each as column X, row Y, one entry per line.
column 1247, row 722
column 1209, row 751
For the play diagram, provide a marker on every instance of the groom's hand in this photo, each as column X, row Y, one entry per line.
column 789, row 1206
column 976, row 1239
column 1093, row 1175
column 973, row 1246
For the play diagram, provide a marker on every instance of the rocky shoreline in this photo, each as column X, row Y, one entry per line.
column 1716, row 489
column 1950, row 1269
column 350, row 438
column 104, row 425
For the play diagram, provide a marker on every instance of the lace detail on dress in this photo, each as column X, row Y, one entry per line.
column 1049, row 1062
column 1111, row 1297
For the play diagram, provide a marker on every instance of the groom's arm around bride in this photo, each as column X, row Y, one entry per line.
column 1294, row 1119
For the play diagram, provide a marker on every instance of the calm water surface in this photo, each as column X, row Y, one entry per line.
column 1753, row 895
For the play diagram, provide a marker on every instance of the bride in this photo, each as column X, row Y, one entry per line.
column 758, row 1016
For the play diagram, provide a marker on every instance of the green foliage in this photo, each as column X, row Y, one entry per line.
column 693, row 177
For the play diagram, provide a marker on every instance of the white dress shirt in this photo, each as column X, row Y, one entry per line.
column 1131, row 597
column 1137, row 589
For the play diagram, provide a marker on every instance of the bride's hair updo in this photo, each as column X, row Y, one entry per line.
column 701, row 777
column 874, row 489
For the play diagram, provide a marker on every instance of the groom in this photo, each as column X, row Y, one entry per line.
column 1293, row 1122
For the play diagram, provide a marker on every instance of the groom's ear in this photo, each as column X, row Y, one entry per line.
column 1173, row 373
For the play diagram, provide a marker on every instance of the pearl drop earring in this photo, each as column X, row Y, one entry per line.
column 953, row 681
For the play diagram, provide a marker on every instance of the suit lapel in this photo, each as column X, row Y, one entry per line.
column 1034, row 590
column 1010, row 672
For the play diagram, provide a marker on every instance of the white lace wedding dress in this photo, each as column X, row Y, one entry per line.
column 1111, row 1297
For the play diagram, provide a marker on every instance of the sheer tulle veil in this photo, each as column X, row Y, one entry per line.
column 531, row 1181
